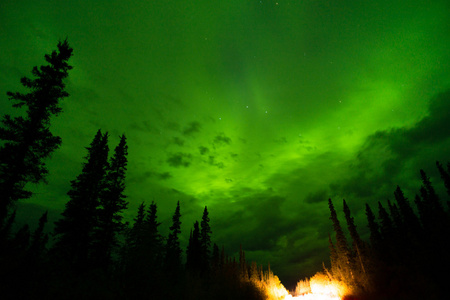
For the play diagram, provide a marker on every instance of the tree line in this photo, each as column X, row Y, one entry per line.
column 406, row 256
column 96, row 254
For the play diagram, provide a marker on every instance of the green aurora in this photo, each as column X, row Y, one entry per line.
column 261, row 110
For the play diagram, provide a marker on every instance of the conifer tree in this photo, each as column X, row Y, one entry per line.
column 136, row 235
column 173, row 250
column 205, row 240
column 74, row 231
column 397, row 218
column 27, row 141
column 357, row 242
column 132, row 250
column 445, row 176
column 193, row 251
column 243, row 264
column 386, row 228
column 375, row 236
column 153, row 240
column 341, row 241
column 39, row 239
column 333, row 253
column 112, row 204
column 215, row 259
column 344, row 263
column 409, row 217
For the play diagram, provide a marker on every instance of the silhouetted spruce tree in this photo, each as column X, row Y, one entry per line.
column 27, row 141
column 112, row 204
column 136, row 234
column 357, row 242
column 386, row 226
column 394, row 213
column 132, row 250
column 205, row 241
column 153, row 242
column 444, row 175
column 341, row 241
column 375, row 236
column 74, row 231
column 432, row 199
column 172, row 261
column 5, row 232
column 39, row 239
column 411, row 222
column 193, row 251
column 215, row 259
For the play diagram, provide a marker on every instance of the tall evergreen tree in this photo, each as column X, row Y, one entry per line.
column 243, row 264
column 409, row 217
column 74, row 231
column 193, row 251
column 386, row 228
column 341, row 241
column 357, row 242
column 27, row 141
column 39, row 239
column 112, row 204
column 154, row 240
column 173, row 250
column 445, row 176
column 397, row 218
column 136, row 235
column 375, row 236
column 333, row 253
column 431, row 199
column 205, row 240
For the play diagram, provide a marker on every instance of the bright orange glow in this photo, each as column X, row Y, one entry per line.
column 319, row 287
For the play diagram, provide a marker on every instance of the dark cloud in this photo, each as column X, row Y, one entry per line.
column 212, row 161
column 177, row 141
column 149, row 174
column 380, row 163
column 164, row 175
column 203, row 150
column 222, row 139
column 179, row 160
column 317, row 197
column 174, row 126
column 193, row 127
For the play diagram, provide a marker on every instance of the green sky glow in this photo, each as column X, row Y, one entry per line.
column 261, row 110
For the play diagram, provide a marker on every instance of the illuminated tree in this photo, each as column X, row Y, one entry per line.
column 357, row 242
column 74, row 231
column 27, row 141
column 341, row 241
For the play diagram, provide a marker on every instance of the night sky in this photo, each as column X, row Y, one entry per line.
column 261, row 110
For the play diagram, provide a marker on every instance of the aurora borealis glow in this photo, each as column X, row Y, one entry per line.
column 261, row 110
